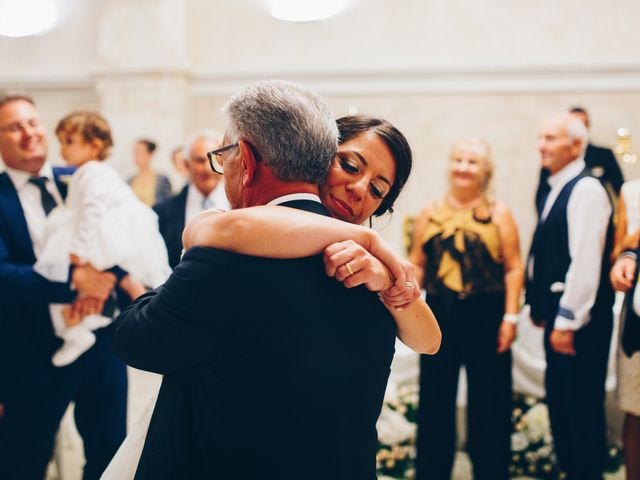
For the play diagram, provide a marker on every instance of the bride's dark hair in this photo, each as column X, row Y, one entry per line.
column 353, row 125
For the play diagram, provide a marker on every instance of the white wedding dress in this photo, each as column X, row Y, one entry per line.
column 124, row 464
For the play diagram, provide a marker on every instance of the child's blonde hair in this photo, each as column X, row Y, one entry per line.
column 92, row 126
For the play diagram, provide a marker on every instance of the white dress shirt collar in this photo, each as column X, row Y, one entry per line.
column 20, row 178
column 558, row 180
column 570, row 171
column 295, row 196
column 195, row 200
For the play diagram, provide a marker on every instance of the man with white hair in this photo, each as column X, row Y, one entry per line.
column 570, row 295
column 205, row 190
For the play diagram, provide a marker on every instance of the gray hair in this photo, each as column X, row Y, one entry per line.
column 291, row 127
column 206, row 134
column 577, row 131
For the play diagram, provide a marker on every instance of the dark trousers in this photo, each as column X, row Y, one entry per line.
column 576, row 394
column 97, row 383
column 469, row 337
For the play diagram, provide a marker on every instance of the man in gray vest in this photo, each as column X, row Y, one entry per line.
column 570, row 295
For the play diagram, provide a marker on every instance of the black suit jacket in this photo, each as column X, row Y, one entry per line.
column 171, row 220
column 272, row 369
column 603, row 164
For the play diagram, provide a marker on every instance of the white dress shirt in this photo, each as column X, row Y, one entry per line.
column 295, row 196
column 29, row 196
column 197, row 202
column 588, row 213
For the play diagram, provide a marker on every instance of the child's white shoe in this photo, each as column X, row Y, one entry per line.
column 77, row 340
column 96, row 321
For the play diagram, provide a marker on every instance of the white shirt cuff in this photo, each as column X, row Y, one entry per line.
column 53, row 272
column 563, row 323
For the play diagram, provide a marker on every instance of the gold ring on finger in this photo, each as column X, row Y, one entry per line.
column 349, row 268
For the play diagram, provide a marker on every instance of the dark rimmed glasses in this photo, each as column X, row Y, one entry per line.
column 215, row 157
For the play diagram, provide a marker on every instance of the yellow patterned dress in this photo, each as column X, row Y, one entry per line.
column 463, row 251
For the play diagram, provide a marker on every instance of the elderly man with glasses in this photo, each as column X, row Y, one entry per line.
column 271, row 368
column 205, row 190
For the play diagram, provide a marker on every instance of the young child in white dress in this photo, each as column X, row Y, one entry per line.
column 102, row 223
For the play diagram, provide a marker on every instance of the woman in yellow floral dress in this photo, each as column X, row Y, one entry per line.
column 467, row 256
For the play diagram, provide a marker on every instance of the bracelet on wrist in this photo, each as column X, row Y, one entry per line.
column 511, row 318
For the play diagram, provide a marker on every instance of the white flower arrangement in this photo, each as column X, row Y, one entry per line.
column 397, row 432
column 532, row 452
column 531, row 442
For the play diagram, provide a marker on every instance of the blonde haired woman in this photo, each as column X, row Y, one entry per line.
column 467, row 256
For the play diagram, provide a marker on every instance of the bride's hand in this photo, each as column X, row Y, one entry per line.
column 353, row 265
column 405, row 288
column 400, row 296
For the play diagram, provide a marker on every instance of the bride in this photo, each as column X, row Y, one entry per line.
column 371, row 167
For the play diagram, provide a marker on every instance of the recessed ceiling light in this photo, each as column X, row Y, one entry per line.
column 306, row 10
column 23, row 18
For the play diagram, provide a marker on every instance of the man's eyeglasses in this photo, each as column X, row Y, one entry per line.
column 215, row 157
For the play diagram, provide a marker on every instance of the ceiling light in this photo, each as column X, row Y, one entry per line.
column 23, row 18
column 306, row 10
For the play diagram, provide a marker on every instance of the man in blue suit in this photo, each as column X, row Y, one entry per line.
column 33, row 393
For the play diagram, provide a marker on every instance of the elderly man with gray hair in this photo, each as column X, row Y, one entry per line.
column 271, row 368
column 570, row 295
column 205, row 190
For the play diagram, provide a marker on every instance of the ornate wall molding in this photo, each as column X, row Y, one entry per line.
column 543, row 79
column 621, row 78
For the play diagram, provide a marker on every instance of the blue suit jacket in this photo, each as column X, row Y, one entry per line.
column 27, row 339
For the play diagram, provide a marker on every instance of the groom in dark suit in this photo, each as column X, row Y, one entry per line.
column 33, row 393
column 272, row 369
